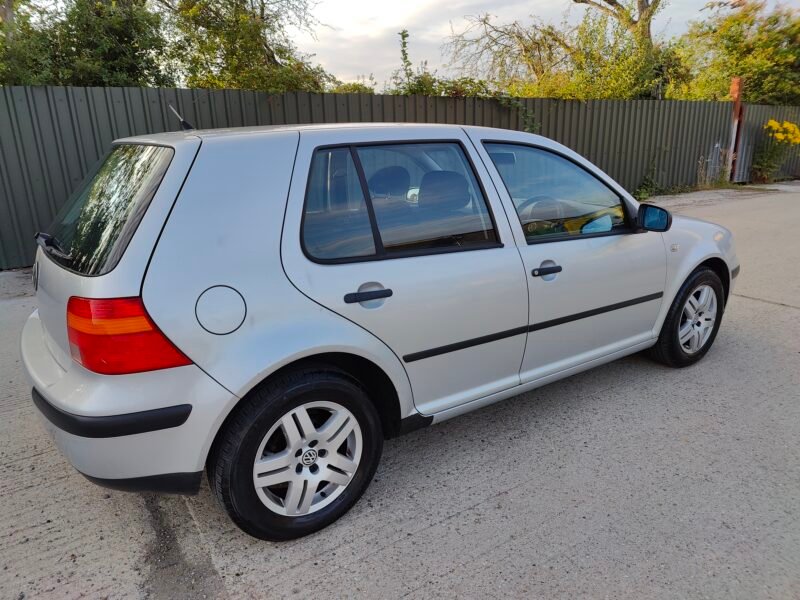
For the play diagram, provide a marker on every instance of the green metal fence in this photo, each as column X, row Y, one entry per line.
column 51, row 136
column 752, row 132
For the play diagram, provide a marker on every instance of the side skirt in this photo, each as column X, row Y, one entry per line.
column 414, row 422
column 521, row 389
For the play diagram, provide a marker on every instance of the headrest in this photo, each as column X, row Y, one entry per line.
column 446, row 190
column 390, row 181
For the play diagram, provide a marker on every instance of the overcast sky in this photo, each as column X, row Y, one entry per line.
column 361, row 35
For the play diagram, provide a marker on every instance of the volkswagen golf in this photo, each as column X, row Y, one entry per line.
column 267, row 305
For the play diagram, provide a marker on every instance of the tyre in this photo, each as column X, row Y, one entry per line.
column 297, row 454
column 692, row 321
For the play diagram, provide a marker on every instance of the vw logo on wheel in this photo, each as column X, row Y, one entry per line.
column 309, row 457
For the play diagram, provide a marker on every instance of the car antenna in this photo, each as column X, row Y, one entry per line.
column 185, row 125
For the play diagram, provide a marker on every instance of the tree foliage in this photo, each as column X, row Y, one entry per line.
column 741, row 38
column 363, row 85
column 242, row 44
column 6, row 12
column 609, row 54
column 200, row 43
column 421, row 81
column 636, row 18
column 85, row 42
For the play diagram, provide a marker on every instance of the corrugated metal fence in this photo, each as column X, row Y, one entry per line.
column 755, row 116
column 50, row 136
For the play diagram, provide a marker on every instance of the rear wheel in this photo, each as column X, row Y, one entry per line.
column 692, row 322
column 297, row 454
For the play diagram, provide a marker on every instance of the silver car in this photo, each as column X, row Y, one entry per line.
column 268, row 305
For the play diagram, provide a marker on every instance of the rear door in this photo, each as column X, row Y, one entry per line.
column 393, row 229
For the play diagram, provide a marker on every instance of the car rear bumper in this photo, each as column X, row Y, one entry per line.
column 113, row 425
column 147, row 431
column 98, row 449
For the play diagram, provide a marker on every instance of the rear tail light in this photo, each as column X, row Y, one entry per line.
column 116, row 336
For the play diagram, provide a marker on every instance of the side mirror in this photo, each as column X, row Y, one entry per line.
column 599, row 225
column 653, row 218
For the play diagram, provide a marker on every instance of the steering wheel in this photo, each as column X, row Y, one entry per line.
column 526, row 206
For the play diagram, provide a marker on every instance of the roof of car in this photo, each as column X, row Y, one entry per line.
column 173, row 137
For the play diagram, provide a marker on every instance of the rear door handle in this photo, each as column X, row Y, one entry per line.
column 539, row 271
column 354, row 297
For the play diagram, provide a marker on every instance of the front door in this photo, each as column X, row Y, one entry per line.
column 595, row 286
column 400, row 237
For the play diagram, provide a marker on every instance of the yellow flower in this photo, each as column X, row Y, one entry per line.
column 786, row 132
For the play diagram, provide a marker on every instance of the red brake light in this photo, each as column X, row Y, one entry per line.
column 116, row 336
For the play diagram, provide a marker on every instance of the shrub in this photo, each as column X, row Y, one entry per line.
column 773, row 149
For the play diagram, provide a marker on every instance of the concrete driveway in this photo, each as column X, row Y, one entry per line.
column 628, row 481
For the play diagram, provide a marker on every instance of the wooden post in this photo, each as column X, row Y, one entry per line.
column 736, row 119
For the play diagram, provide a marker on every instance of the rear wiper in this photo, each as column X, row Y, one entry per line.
column 52, row 245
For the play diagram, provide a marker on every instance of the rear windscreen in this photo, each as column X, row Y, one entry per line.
column 94, row 227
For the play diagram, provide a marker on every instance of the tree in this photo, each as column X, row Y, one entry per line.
column 740, row 38
column 111, row 43
column 405, row 80
column 242, row 44
column 86, row 43
column 362, row 85
column 636, row 18
column 609, row 54
column 7, row 13
column 606, row 60
column 26, row 55
column 408, row 81
column 206, row 43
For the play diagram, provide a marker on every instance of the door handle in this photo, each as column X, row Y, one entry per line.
column 539, row 271
column 354, row 297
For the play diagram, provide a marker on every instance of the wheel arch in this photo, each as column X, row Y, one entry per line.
column 720, row 267
column 377, row 383
column 379, row 387
column 714, row 261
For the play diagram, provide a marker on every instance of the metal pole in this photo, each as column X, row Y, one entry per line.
column 736, row 131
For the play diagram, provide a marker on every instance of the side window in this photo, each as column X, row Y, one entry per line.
column 386, row 172
column 554, row 197
column 336, row 222
column 425, row 196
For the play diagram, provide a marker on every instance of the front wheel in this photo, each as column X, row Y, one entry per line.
column 297, row 454
column 693, row 320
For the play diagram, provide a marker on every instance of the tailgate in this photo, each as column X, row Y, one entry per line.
column 101, row 240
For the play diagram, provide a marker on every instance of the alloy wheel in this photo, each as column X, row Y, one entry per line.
column 698, row 319
column 308, row 458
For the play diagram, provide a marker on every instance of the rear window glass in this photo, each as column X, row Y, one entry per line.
column 95, row 225
column 415, row 197
column 425, row 197
column 336, row 223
